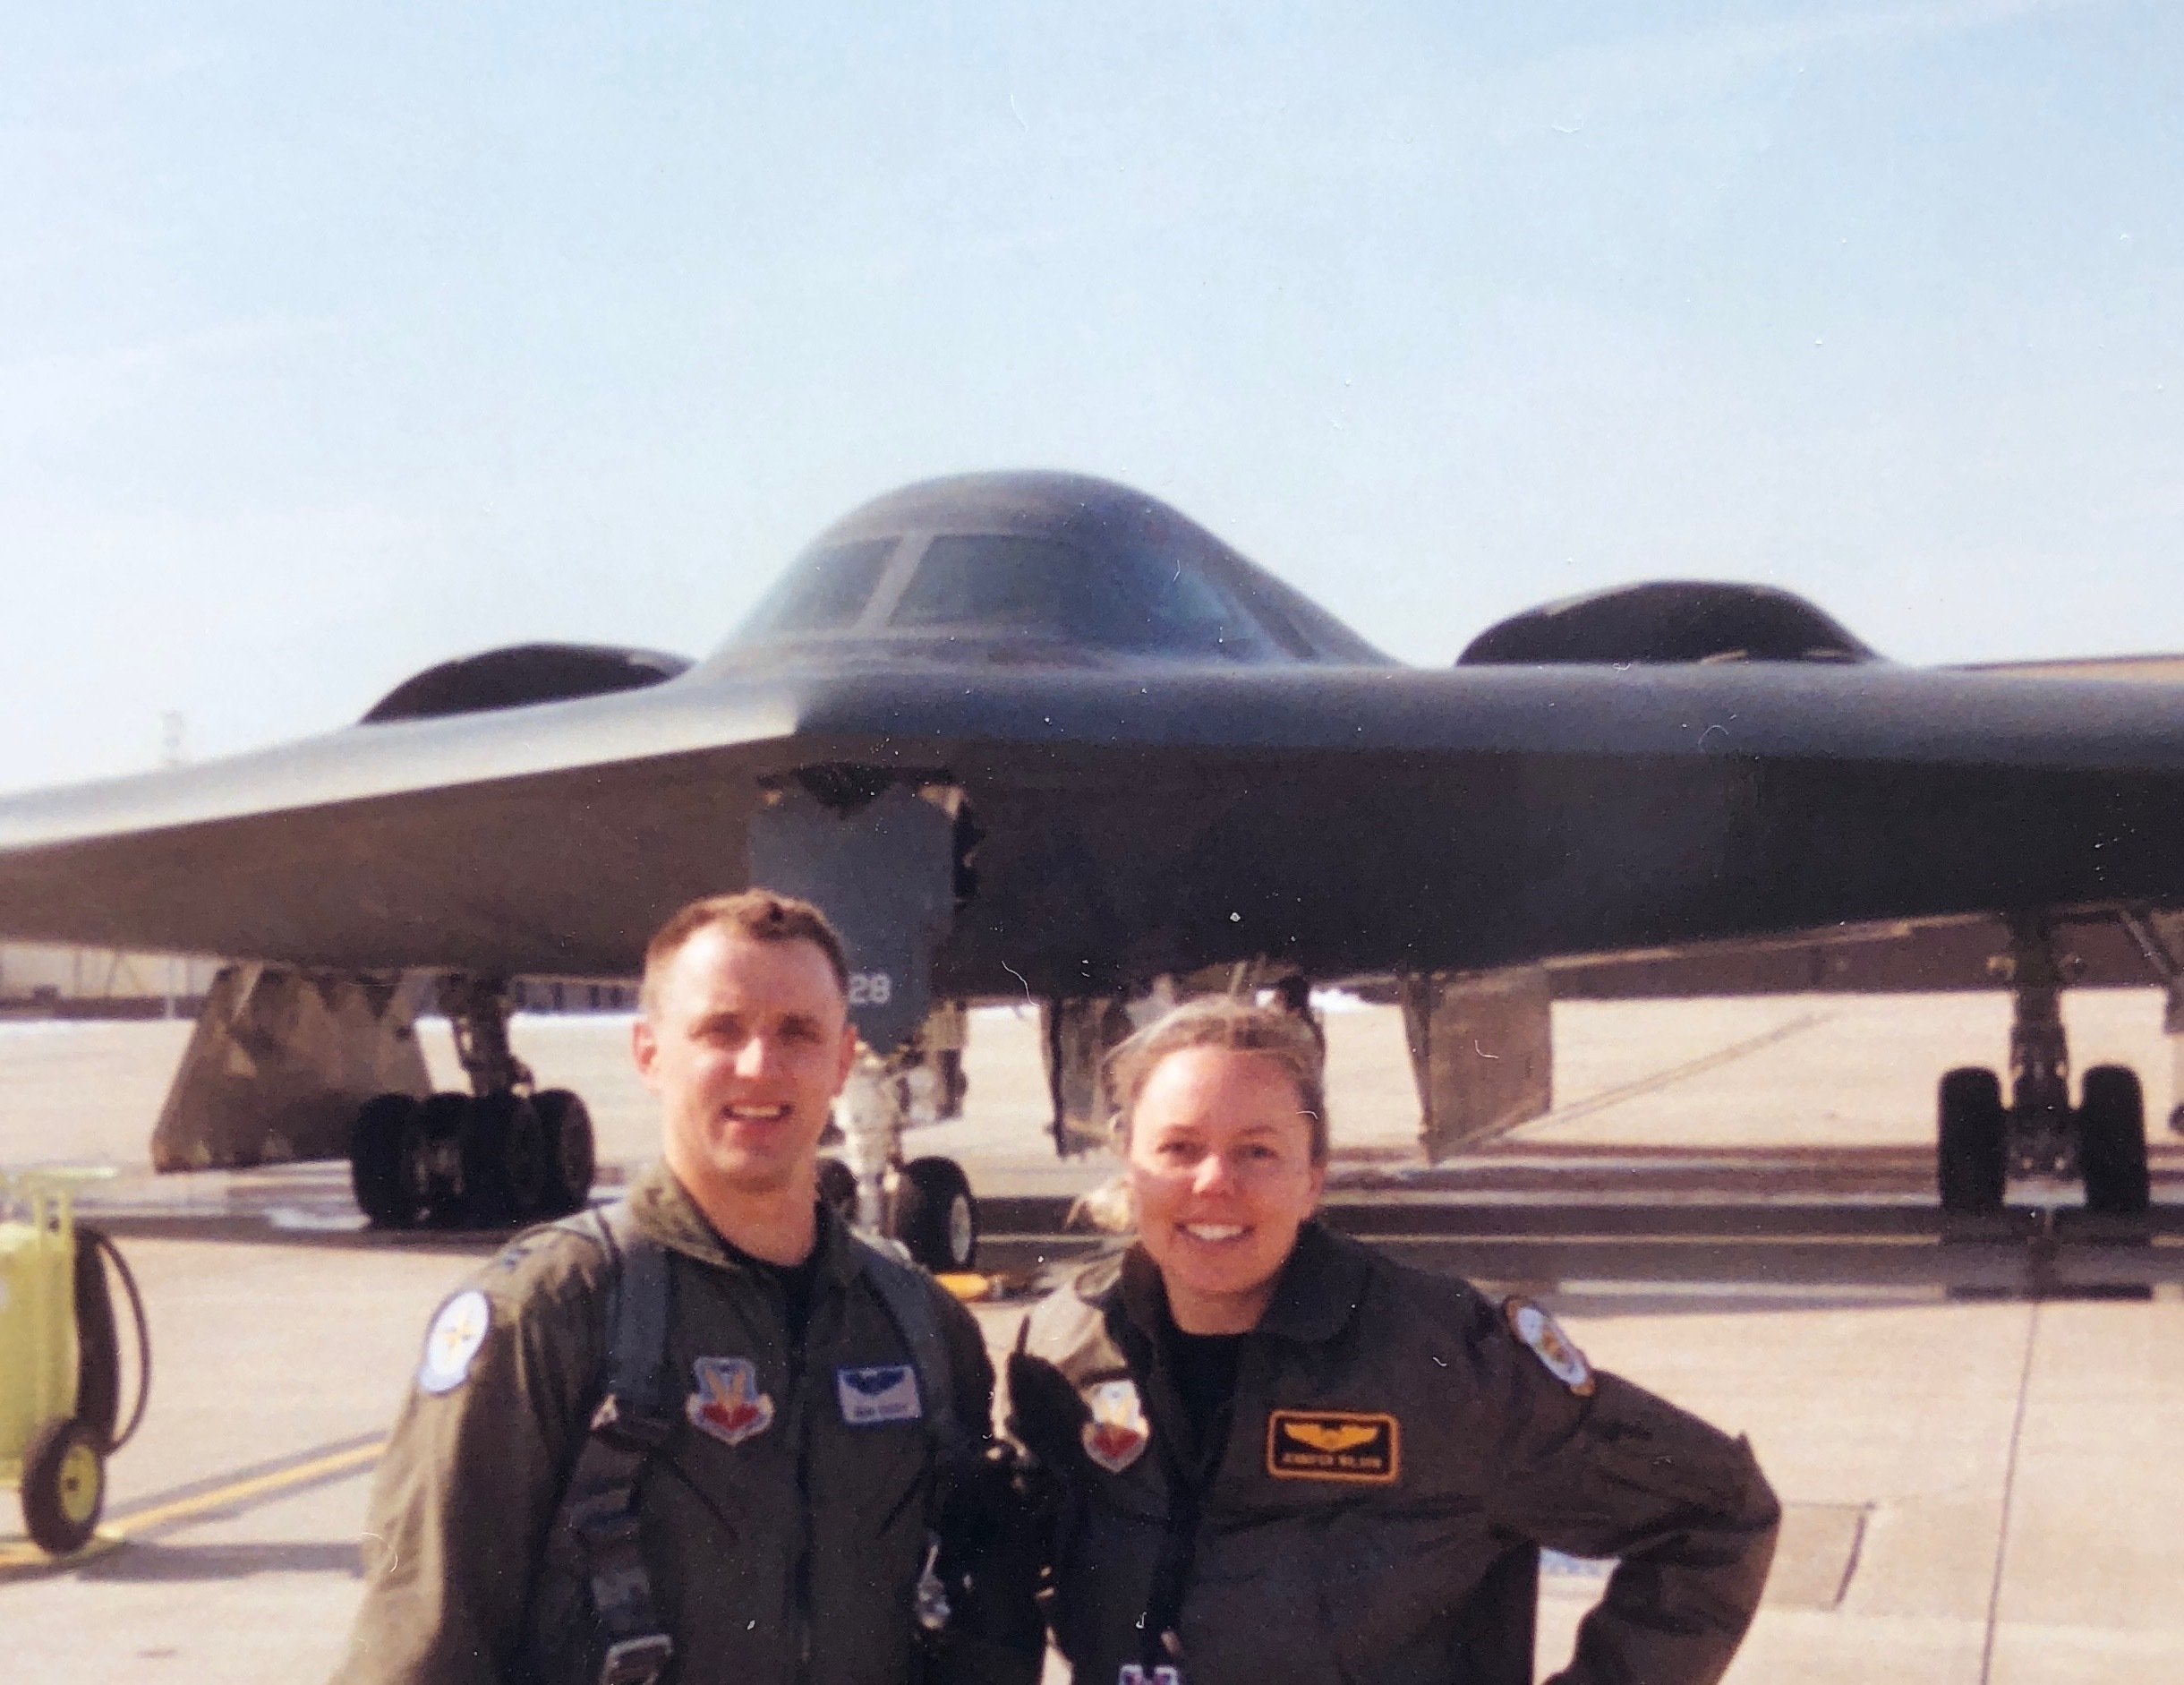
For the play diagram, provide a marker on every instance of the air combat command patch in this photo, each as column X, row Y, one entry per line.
column 728, row 1404
column 1117, row 1433
column 1333, row 1445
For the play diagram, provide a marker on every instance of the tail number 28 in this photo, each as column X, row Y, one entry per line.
column 871, row 988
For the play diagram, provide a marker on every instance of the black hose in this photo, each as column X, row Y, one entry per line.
column 143, row 1331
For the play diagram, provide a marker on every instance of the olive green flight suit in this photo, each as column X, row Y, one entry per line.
column 1390, row 1445
column 792, row 1553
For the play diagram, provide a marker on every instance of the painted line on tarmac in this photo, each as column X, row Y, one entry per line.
column 311, row 1468
column 1676, row 1073
column 201, row 1499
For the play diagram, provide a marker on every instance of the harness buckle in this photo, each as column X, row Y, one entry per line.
column 637, row 1661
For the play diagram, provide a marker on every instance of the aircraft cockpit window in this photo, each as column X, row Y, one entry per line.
column 825, row 592
column 1122, row 600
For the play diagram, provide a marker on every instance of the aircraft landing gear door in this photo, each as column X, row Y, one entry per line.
column 882, row 868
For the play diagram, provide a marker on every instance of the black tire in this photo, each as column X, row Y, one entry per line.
column 385, row 1190
column 442, row 1120
column 504, row 1164
column 2111, row 1142
column 572, row 1150
column 1972, row 1166
column 838, row 1189
column 2176, row 1120
column 98, row 1348
column 63, row 1486
column 935, row 1217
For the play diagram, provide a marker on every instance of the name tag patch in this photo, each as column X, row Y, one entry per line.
column 883, row 1392
column 1333, row 1445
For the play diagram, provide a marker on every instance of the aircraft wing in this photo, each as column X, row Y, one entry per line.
column 1156, row 758
column 1145, row 819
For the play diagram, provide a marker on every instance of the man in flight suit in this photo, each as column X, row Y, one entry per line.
column 769, row 1521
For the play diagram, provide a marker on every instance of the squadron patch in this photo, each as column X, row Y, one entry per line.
column 1333, row 1445
column 883, row 1392
column 1549, row 1345
column 451, row 1344
column 728, row 1404
column 1118, row 1433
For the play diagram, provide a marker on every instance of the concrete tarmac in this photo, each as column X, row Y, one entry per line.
column 1973, row 1433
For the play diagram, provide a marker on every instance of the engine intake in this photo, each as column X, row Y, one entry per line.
column 520, row 676
column 1668, row 621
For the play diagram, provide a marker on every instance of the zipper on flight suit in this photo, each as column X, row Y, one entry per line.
column 799, row 1414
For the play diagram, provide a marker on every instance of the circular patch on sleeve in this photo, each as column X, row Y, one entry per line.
column 1554, row 1348
column 452, row 1343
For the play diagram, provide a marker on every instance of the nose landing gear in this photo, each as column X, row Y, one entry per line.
column 2100, row 1141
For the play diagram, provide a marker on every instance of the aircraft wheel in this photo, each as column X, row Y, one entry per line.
column 838, row 1189
column 572, row 1151
column 1971, row 1165
column 430, row 1144
column 935, row 1217
column 385, row 1193
column 506, row 1168
column 63, row 1486
column 2111, row 1142
column 2176, row 1120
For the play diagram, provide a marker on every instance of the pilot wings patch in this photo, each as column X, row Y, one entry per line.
column 1333, row 1445
column 881, row 1393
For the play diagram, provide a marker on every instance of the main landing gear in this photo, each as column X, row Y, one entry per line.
column 2102, row 1140
column 505, row 1153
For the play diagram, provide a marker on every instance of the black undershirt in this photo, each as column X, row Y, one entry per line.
column 795, row 1281
column 1203, row 1367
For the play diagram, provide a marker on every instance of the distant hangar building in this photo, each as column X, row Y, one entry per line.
column 51, row 979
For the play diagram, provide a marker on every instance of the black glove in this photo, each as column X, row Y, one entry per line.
column 995, row 1528
column 1045, row 1415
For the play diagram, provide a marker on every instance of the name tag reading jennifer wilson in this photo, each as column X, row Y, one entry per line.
column 1333, row 1445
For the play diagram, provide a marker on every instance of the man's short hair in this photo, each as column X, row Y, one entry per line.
column 757, row 915
column 1235, row 1026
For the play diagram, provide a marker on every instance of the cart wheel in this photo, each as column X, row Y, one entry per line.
column 63, row 1486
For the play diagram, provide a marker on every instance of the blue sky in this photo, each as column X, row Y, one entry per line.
column 335, row 344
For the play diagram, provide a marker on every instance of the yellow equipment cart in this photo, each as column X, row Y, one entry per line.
column 59, row 1362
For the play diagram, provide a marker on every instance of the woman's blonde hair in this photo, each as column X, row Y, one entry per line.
column 1236, row 1026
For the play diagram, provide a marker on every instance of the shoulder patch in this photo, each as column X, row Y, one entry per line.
column 1555, row 1349
column 451, row 1344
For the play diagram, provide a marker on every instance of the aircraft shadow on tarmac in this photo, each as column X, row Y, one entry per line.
column 1697, row 1231
column 150, row 1561
column 1710, row 1231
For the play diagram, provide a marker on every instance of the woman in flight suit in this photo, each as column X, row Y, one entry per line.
column 1286, row 1458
